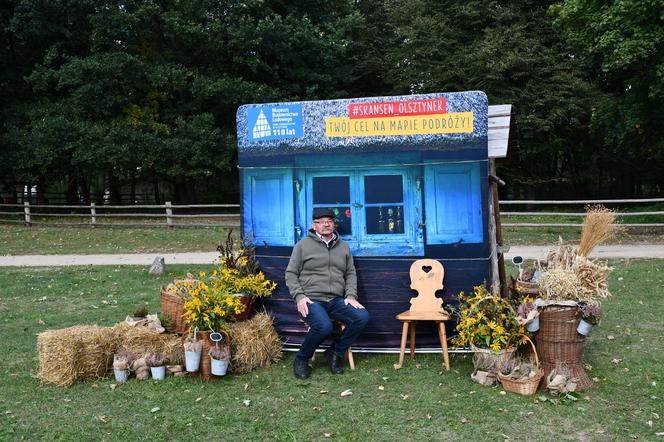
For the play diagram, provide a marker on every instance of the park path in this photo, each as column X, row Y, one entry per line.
column 528, row 252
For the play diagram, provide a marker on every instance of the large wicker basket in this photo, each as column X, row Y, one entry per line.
column 559, row 344
column 173, row 307
column 526, row 387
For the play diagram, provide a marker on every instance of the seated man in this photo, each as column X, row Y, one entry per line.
column 321, row 278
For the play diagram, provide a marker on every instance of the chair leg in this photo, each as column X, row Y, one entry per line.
column 404, row 335
column 443, row 344
column 351, row 361
column 412, row 340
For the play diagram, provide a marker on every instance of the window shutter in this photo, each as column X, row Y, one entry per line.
column 268, row 207
column 453, row 203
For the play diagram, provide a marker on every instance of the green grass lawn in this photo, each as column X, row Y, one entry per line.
column 19, row 240
column 419, row 402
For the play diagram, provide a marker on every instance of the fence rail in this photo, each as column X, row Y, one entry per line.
column 38, row 214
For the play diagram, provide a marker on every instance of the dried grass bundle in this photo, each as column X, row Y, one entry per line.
column 598, row 227
column 255, row 343
column 562, row 257
column 592, row 277
column 560, row 284
column 141, row 341
column 74, row 354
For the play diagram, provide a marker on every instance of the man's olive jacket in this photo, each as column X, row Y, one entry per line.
column 321, row 271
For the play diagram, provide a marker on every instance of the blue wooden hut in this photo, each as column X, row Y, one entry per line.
column 406, row 177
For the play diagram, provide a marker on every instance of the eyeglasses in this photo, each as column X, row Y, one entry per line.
column 329, row 221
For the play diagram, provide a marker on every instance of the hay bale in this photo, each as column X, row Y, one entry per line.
column 140, row 341
column 74, row 354
column 255, row 343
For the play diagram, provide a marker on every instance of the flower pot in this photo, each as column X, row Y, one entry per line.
column 158, row 373
column 192, row 360
column 248, row 301
column 121, row 376
column 219, row 366
column 533, row 325
column 584, row 327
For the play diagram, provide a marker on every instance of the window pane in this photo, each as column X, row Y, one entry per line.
column 342, row 218
column 383, row 189
column 331, row 190
column 384, row 220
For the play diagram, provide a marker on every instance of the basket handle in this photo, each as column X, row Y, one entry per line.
column 531, row 344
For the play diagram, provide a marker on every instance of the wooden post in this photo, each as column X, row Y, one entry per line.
column 495, row 277
column 93, row 213
column 26, row 211
column 169, row 214
column 499, row 229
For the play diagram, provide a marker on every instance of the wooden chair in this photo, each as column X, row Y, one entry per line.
column 349, row 353
column 426, row 277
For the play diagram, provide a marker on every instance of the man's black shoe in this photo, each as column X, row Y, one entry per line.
column 301, row 369
column 334, row 361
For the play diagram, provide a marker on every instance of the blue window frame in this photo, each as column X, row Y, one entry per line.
column 453, row 203
column 377, row 211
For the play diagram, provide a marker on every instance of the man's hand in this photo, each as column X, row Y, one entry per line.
column 353, row 302
column 302, row 306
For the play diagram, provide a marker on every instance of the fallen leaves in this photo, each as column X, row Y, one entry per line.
column 381, row 388
column 102, row 418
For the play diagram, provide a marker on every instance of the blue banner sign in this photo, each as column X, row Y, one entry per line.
column 274, row 122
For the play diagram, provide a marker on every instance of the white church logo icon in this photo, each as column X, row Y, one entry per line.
column 262, row 127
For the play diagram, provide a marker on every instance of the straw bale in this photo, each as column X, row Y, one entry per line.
column 74, row 354
column 140, row 341
column 255, row 343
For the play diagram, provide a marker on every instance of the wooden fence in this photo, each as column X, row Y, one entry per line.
column 227, row 215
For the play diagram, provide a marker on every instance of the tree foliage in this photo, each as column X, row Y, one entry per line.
column 104, row 94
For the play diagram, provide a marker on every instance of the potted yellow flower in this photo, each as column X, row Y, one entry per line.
column 488, row 324
column 240, row 275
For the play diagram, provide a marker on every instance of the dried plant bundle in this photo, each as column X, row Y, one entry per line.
column 560, row 284
column 592, row 278
column 562, row 257
column 598, row 227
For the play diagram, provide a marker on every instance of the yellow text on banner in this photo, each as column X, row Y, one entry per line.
column 451, row 123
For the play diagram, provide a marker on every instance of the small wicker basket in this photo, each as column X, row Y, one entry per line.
column 173, row 307
column 526, row 387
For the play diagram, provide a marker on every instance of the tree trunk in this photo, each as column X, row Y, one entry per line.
column 71, row 194
column 157, row 196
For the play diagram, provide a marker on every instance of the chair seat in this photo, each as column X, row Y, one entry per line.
column 423, row 316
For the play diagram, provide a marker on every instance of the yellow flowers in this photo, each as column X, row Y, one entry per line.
column 209, row 307
column 486, row 321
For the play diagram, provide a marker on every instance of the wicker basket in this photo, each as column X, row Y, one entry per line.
column 526, row 387
column 173, row 307
column 560, row 345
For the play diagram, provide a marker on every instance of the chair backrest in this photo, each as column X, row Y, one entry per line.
column 426, row 277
